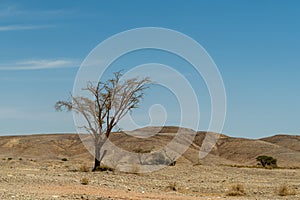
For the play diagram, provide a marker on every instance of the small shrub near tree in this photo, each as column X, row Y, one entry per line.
column 236, row 190
column 172, row 186
column 285, row 190
column 84, row 181
column 104, row 168
column 83, row 168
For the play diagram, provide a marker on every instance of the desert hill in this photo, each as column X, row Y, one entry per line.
column 288, row 141
column 44, row 146
column 228, row 150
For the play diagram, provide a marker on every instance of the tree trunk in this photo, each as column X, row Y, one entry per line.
column 97, row 157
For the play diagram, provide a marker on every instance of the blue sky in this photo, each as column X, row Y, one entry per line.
column 255, row 45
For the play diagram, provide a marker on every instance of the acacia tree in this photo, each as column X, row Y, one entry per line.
column 267, row 160
column 110, row 102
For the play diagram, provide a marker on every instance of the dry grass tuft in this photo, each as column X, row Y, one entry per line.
column 172, row 186
column 84, row 181
column 83, row 168
column 236, row 190
column 285, row 190
column 104, row 168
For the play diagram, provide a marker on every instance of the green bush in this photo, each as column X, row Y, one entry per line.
column 267, row 161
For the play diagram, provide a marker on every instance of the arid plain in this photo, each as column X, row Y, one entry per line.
column 58, row 166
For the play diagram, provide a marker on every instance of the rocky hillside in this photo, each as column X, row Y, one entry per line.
column 228, row 150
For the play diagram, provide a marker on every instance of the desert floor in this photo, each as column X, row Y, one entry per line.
column 24, row 178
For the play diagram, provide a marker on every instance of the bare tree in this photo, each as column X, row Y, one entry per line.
column 110, row 102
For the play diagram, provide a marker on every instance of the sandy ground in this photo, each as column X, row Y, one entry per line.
column 54, row 179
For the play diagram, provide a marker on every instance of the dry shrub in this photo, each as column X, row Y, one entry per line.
column 172, row 186
column 236, row 190
column 269, row 167
column 83, row 168
column 104, row 168
column 285, row 190
column 84, row 181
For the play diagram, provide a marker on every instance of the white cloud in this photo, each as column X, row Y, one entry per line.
column 39, row 64
column 23, row 27
column 15, row 10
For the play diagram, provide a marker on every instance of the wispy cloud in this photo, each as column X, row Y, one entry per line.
column 39, row 64
column 17, row 10
column 23, row 27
